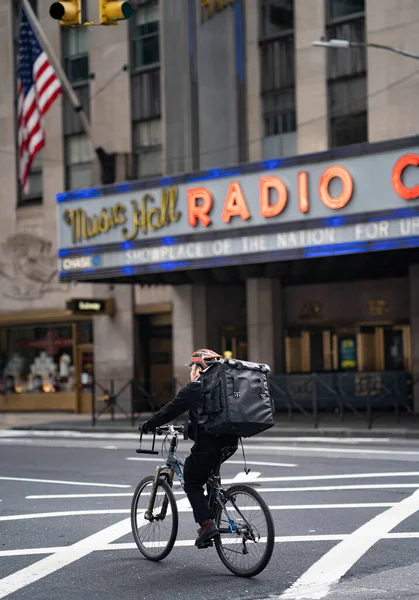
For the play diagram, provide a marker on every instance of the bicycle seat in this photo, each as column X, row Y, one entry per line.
column 226, row 452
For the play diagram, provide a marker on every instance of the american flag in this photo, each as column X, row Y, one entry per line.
column 38, row 86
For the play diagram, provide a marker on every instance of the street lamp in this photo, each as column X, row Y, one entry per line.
column 348, row 44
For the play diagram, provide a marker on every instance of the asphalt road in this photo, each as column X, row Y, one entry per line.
column 345, row 514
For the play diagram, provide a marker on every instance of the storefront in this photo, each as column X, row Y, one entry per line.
column 308, row 261
column 46, row 361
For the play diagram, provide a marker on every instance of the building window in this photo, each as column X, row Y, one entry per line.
column 145, row 35
column 145, row 90
column 278, row 76
column 343, row 8
column 277, row 17
column 77, row 148
column 78, row 161
column 346, row 74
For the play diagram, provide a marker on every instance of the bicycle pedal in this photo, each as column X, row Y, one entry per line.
column 206, row 544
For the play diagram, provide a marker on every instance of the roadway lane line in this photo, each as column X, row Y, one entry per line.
column 255, row 476
column 317, row 581
column 330, row 449
column 65, row 513
column 326, row 488
column 229, row 462
column 290, row 539
column 109, row 485
column 70, row 496
column 340, row 476
column 67, row 555
column 183, row 506
column 242, row 477
column 66, row 433
column 30, row 551
column 332, row 488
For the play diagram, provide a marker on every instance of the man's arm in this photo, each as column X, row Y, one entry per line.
column 175, row 407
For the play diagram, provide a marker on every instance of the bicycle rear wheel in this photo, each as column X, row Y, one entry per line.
column 154, row 537
column 247, row 538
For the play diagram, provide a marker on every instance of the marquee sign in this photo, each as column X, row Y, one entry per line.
column 187, row 222
column 270, row 247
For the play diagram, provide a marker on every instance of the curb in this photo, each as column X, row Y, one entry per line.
column 273, row 432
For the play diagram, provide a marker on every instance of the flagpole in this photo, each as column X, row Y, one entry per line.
column 107, row 161
column 72, row 96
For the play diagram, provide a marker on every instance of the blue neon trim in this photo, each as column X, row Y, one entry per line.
column 169, row 240
column 273, row 163
column 357, row 150
column 63, row 252
column 335, row 221
column 359, row 247
column 214, row 174
column 126, row 245
column 170, row 266
column 128, row 270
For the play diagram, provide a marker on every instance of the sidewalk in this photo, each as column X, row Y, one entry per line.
column 330, row 426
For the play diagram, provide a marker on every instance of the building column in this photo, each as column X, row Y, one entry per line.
column 189, row 327
column 310, row 77
column 114, row 339
column 414, row 330
column 253, row 75
column 264, row 322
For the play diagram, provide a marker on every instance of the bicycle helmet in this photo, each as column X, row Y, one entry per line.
column 203, row 358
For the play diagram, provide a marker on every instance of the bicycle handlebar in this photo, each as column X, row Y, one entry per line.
column 159, row 431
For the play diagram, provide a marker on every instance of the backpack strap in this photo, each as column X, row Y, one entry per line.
column 246, row 470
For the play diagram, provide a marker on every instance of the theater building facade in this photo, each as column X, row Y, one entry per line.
column 308, row 263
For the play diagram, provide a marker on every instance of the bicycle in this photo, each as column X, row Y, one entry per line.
column 155, row 520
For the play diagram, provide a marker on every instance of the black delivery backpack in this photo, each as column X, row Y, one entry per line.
column 236, row 398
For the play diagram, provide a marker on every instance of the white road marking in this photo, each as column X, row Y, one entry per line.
column 184, row 506
column 290, row 539
column 109, row 485
column 68, row 554
column 341, row 476
column 241, row 477
column 330, row 449
column 66, row 433
column 30, row 551
column 316, row 582
column 64, row 513
column 253, row 475
column 326, row 488
column 229, row 462
column 332, row 488
column 70, row 496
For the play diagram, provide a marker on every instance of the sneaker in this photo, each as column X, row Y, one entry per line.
column 207, row 531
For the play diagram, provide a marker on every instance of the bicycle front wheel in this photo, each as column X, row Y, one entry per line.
column 247, row 534
column 155, row 535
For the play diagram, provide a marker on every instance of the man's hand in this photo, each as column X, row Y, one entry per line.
column 144, row 427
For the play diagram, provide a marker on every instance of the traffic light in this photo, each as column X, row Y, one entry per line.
column 68, row 12
column 111, row 12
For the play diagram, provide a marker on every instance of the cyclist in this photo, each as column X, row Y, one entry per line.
column 206, row 451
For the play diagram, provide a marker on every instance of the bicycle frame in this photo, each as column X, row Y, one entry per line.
column 175, row 465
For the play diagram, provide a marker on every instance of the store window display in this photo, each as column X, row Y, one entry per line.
column 39, row 359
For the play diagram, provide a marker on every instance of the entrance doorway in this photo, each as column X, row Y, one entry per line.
column 362, row 348
column 234, row 340
column 154, row 361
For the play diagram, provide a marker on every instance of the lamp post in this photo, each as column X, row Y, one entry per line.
column 348, row 44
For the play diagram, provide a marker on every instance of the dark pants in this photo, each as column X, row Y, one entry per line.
column 205, row 455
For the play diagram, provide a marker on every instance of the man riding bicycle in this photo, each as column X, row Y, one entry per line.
column 206, row 451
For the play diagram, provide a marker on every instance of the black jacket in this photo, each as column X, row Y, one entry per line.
column 187, row 399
